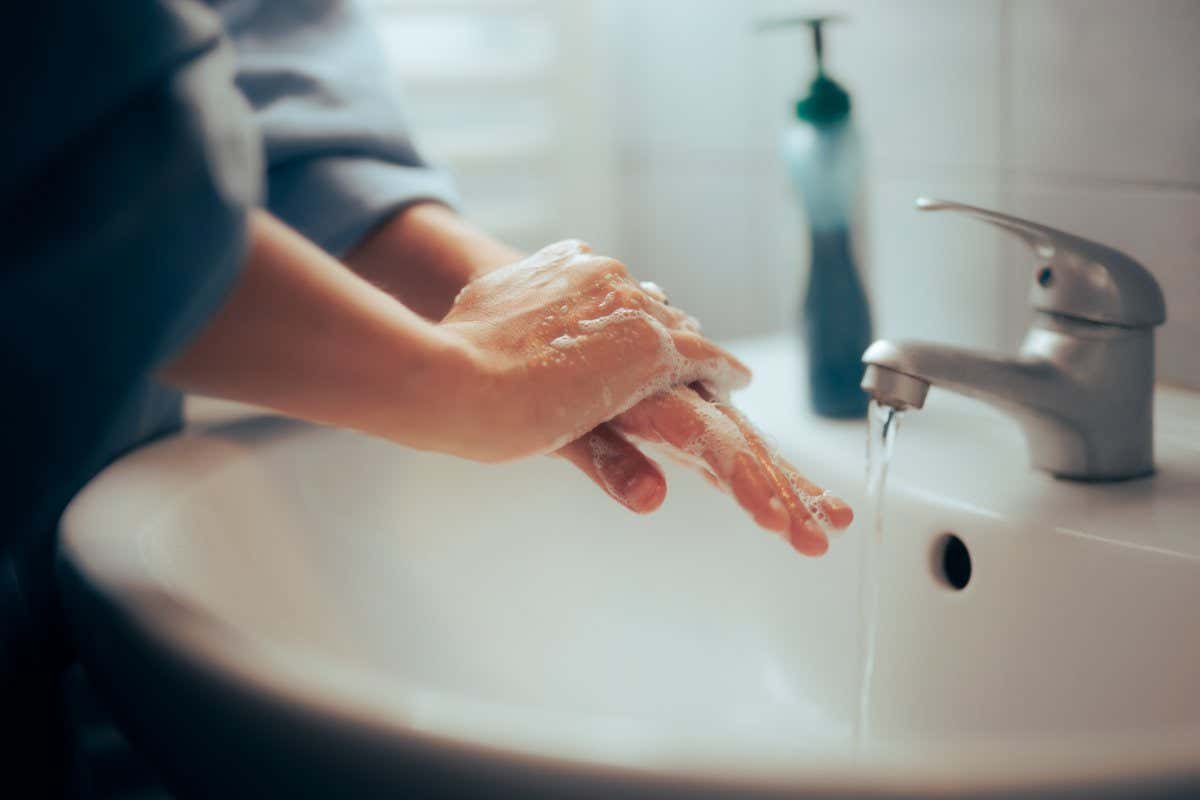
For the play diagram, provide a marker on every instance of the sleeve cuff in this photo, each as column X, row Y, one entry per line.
column 336, row 200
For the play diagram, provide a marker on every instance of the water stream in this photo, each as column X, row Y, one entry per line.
column 883, row 423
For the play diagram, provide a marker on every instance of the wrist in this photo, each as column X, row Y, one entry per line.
column 457, row 390
column 425, row 254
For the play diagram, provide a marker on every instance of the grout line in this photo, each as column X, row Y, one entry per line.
column 1013, row 316
column 717, row 160
column 1075, row 180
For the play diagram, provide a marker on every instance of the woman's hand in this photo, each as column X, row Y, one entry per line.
column 425, row 256
column 565, row 340
column 561, row 350
column 568, row 341
column 715, row 438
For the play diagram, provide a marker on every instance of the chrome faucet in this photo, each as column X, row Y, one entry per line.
column 1081, row 385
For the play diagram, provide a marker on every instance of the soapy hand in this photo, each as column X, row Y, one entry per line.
column 712, row 436
column 695, row 429
column 563, row 341
column 569, row 341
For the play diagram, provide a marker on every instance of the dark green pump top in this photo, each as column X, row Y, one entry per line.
column 826, row 102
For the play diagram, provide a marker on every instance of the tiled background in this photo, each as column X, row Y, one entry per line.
column 1084, row 114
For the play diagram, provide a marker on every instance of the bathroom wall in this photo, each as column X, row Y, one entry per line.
column 1084, row 114
column 503, row 92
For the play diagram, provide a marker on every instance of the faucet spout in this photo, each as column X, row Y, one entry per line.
column 892, row 368
column 891, row 387
column 1081, row 393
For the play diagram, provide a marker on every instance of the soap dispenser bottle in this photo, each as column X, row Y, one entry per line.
column 823, row 154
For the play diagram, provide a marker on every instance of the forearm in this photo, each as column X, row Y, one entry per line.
column 425, row 254
column 303, row 335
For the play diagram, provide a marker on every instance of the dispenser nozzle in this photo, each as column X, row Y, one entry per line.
column 826, row 102
column 816, row 24
column 818, row 43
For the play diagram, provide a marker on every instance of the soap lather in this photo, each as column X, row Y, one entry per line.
column 823, row 154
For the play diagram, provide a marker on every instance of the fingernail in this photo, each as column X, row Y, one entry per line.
column 836, row 504
column 643, row 492
column 809, row 539
column 839, row 513
column 779, row 514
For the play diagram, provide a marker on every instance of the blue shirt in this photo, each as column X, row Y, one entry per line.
column 138, row 136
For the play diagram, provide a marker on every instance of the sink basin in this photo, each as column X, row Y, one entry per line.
column 273, row 607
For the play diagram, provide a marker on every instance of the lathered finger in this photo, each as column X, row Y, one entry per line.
column 619, row 468
column 654, row 290
column 829, row 508
column 831, row 512
column 756, row 494
column 673, row 318
column 676, row 319
column 811, row 510
column 686, row 460
column 716, row 367
column 697, row 434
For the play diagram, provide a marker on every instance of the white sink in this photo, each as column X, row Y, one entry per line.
column 281, row 608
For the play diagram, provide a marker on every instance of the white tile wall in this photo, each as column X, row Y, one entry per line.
column 1107, row 90
column 935, row 276
column 929, row 79
column 688, row 231
column 689, row 64
column 1083, row 113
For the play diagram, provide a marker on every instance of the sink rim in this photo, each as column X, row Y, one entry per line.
column 100, row 552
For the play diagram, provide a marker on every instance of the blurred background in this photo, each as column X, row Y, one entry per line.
column 651, row 128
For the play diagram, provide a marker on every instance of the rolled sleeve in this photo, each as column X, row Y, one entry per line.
column 335, row 200
column 340, row 160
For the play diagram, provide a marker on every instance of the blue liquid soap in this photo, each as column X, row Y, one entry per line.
column 837, row 328
column 823, row 154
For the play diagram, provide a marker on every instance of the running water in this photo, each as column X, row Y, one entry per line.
column 882, row 427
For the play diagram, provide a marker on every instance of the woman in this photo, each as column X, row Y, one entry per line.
column 153, row 249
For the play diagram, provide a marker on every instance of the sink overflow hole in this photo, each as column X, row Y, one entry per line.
column 952, row 561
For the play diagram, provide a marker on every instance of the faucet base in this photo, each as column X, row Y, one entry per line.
column 1136, row 476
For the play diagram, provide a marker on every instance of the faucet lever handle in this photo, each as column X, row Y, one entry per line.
column 1077, row 277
